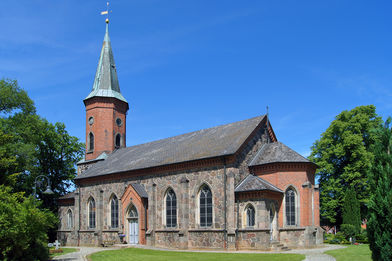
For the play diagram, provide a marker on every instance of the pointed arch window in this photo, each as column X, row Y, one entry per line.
column 171, row 209
column 90, row 141
column 205, row 204
column 69, row 219
column 250, row 216
column 91, row 213
column 118, row 140
column 290, row 207
column 114, row 212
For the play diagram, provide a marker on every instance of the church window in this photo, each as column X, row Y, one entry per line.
column 91, row 213
column 118, row 122
column 69, row 219
column 91, row 141
column 205, row 207
column 114, row 212
column 250, row 216
column 290, row 207
column 118, row 140
column 91, row 120
column 171, row 209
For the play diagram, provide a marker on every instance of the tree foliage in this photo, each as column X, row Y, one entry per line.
column 343, row 156
column 351, row 210
column 380, row 205
column 23, row 227
column 31, row 146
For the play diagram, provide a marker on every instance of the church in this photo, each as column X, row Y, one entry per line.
column 233, row 186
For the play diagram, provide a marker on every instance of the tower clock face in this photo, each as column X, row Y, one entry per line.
column 91, row 120
column 118, row 122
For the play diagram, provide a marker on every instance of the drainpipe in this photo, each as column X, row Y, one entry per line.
column 145, row 220
column 79, row 218
column 225, row 199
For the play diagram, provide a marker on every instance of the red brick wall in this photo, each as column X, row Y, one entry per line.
column 296, row 175
column 105, row 112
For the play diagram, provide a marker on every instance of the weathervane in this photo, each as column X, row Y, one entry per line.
column 106, row 12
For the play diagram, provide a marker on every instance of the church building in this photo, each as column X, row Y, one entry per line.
column 233, row 186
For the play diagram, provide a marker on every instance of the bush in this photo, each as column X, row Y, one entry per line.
column 348, row 230
column 362, row 237
column 23, row 227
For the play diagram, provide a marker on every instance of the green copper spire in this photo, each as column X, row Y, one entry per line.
column 106, row 81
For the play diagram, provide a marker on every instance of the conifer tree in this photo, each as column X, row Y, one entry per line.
column 380, row 204
column 351, row 210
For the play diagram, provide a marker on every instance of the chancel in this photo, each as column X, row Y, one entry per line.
column 233, row 186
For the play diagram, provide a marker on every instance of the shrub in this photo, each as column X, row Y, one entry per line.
column 23, row 227
column 348, row 230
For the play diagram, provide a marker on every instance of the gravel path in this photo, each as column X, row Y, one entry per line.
column 313, row 254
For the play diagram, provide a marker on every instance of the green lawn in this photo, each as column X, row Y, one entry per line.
column 65, row 251
column 147, row 255
column 352, row 253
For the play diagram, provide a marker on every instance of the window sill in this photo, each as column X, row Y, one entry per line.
column 89, row 152
column 206, row 230
column 254, row 230
column 176, row 230
column 291, row 228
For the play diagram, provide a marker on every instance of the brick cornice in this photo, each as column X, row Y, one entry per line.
column 258, row 194
column 283, row 166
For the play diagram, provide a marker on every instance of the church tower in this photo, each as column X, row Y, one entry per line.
column 106, row 108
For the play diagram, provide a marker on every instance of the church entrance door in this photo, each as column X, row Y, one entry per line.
column 133, row 229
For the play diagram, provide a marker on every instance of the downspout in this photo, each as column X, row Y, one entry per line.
column 225, row 200
column 79, row 219
column 145, row 220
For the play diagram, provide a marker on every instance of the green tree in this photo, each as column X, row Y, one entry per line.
column 31, row 146
column 380, row 205
column 343, row 156
column 23, row 227
column 351, row 210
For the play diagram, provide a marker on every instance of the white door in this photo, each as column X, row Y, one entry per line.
column 133, row 231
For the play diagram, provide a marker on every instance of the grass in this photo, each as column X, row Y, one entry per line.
column 138, row 254
column 352, row 253
column 65, row 251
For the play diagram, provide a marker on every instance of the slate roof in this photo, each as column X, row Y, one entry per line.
column 68, row 195
column 106, row 80
column 139, row 188
column 254, row 183
column 206, row 143
column 276, row 152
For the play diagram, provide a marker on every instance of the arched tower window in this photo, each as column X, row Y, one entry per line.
column 114, row 212
column 205, row 205
column 290, row 207
column 90, row 141
column 118, row 140
column 171, row 209
column 91, row 213
column 250, row 216
column 69, row 219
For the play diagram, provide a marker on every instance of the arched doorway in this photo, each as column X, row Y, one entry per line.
column 133, row 225
column 273, row 223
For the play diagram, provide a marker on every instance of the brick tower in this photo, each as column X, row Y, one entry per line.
column 106, row 108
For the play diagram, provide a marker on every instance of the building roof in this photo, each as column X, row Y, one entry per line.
column 276, row 152
column 254, row 183
column 207, row 143
column 139, row 188
column 106, row 81
column 68, row 195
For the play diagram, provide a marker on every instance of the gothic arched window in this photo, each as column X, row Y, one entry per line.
column 91, row 213
column 171, row 209
column 118, row 140
column 290, row 207
column 69, row 219
column 250, row 216
column 114, row 212
column 90, row 141
column 205, row 205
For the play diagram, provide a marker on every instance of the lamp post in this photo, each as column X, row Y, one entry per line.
column 48, row 190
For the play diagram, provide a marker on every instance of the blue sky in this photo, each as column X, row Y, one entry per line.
column 189, row 65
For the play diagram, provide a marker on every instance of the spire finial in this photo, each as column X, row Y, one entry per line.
column 106, row 13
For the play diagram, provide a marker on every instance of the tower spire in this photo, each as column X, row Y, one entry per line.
column 106, row 80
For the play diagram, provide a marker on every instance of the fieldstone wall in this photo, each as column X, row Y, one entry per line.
column 250, row 239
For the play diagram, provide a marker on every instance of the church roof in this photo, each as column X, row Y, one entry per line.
column 106, row 81
column 276, row 152
column 139, row 188
column 255, row 183
column 207, row 143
